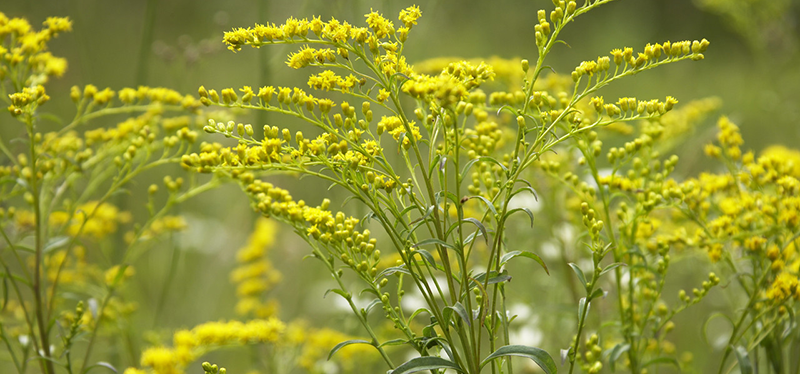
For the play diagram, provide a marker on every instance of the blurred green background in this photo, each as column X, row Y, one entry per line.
column 754, row 68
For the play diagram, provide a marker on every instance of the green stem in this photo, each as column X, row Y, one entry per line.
column 39, row 303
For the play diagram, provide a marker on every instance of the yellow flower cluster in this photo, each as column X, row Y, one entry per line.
column 729, row 138
column 133, row 96
column 114, row 272
column 506, row 71
column 70, row 267
column 682, row 120
column 27, row 100
column 310, row 56
column 485, row 138
column 451, row 85
column 26, row 50
column 785, row 286
column 103, row 219
column 328, row 80
column 255, row 275
column 188, row 345
column 340, row 147
column 755, row 207
column 160, row 226
column 297, row 30
column 394, row 125
column 653, row 52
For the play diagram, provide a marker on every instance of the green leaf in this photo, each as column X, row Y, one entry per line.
column 583, row 308
column 579, row 273
column 427, row 257
column 662, row 360
column 100, row 364
column 533, row 256
column 458, row 309
column 745, row 366
column 55, row 242
column 480, row 227
column 16, row 277
column 508, row 108
column 711, row 317
column 417, row 312
column 372, row 304
column 425, row 363
column 615, row 353
column 523, row 189
column 597, row 293
column 611, row 267
column 24, row 248
column 565, row 354
column 482, row 159
column 393, row 342
column 5, row 295
column 526, row 210
column 485, row 201
column 369, row 290
column 494, row 277
column 408, row 209
column 433, row 241
column 539, row 356
column 344, row 344
column 338, row 292
column 394, row 269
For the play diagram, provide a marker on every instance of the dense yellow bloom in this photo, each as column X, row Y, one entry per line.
column 103, row 220
column 380, row 25
column 790, row 157
column 328, row 80
column 29, row 46
column 394, row 126
column 112, row 274
column 162, row 360
column 134, row 371
column 410, row 15
column 784, row 287
column 310, row 56
column 188, row 345
column 255, row 274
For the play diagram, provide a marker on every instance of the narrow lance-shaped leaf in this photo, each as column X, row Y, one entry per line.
column 480, row 227
column 344, row 344
column 745, row 366
column 579, row 273
column 459, row 310
column 615, row 353
column 485, row 201
column 533, row 256
column 526, row 210
column 539, row 356
column 417, row 364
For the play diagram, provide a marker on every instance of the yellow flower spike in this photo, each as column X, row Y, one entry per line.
column 162, row 360
column 236, row 38
column 58, row 24
column 409, row 16
column 380, row 25
column 316, row 25
column 112, row 274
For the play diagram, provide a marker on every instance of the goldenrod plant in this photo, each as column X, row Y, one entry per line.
column 61, row 267
column 444, row 129
column 442, row 180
